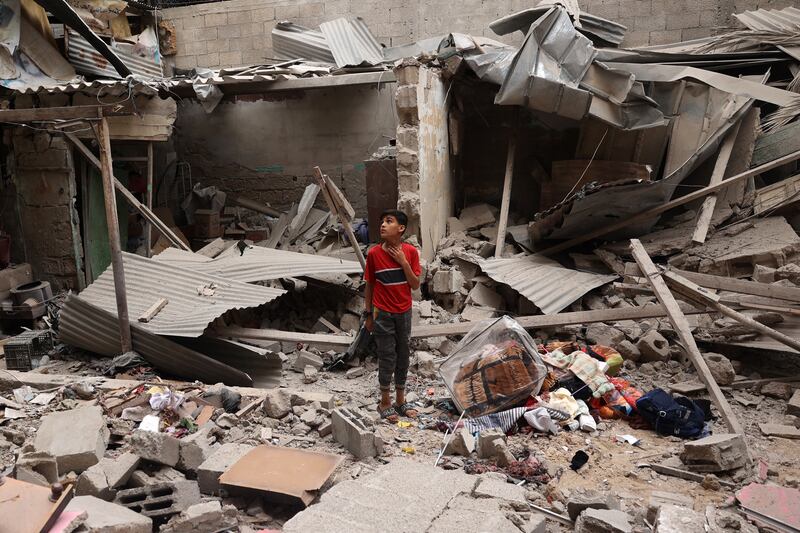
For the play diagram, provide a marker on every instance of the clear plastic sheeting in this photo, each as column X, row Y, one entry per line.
column 495, row 367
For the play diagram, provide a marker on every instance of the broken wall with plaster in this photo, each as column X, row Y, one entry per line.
column 238, row 32
column 265, row 147
column 46, row 233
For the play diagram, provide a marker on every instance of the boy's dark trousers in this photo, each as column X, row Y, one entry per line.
column 392, row 332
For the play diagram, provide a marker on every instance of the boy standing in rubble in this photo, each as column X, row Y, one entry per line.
column 392, row 272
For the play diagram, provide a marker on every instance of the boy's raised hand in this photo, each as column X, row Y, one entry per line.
column 396, row 252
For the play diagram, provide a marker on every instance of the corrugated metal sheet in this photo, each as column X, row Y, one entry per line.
column 258, row 264
column 87, row 60
column 188, row 313
column 90, row 328
column 543, row 281
column 607, row 30
column 787, row 20
column 263, row 366
column 351, row 42
column 292, row 41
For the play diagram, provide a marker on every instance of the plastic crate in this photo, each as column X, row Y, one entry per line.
column 24, row 351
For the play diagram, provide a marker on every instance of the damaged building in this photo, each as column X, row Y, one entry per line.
column 603, row 196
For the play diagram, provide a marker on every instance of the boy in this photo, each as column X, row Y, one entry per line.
column 392, row 272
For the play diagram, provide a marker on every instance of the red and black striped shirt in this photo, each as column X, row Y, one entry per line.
column 391, row 291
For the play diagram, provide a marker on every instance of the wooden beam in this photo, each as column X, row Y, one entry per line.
column 104, row 138
column 130, row 198
column 258, row 207
column 153, row 310
column 681, row 325
column 717, row 175
column 790, row 294
column 507, row 180
column 691, row 197
column 64, row 113
column 333, row 205
column 148, row 245
column 702, row 298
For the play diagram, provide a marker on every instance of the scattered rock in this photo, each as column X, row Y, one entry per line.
column 426, row 366
column 205, row 516
column 105, row 517
column 577, row 503
column 605, row 335
column 776, row 389
column 764, row 274
column 462, row 443
column 721, row 368
column 793, row 407
column 310, row 374
column 157, row 447
column 76, row 438
column 628, row 350
column 717, row 453
column 276, row 403
column 674, row 519
column 603, row 521
column 306, row 358
column 711, row 482
column 355, row 372
column 653, row 347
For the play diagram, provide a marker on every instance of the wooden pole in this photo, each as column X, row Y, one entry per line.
column 684, row 332
column 503, row 222
column 148, row 245
column 700, row 297
column 691, row 197
column 322, row 181
column 104, row 138
column 717, row 175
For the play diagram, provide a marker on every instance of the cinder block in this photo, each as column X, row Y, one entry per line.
column 220, row 461
column 76, row 438
column 353, row 429
column 157, row 447
column 447, row 281
column 160, row 500
column 105, row 517
column 717, row 453
column 307, row 358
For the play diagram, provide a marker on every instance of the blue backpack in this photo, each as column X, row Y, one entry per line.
column 677, row 416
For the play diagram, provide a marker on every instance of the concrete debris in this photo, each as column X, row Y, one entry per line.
column 462, row 442
column 793, row 406
column 277, row 403
column 780, row 430
column 577, row 503
column 105, row 517
column 674, row 519
column 721, row 368
column 310, row 374
column 40, row 468
column 157, row 447
column 76, row 438
column 354, row 430
column 476, row 216
column 448, row 281
column 306, row 358
column 603, row 521
column 355, row 372
column 220, row 461
column 201, row 517
column 776, row 389
column 717, row 453
column 161, row 500
column 653, row 347
column 426, row 364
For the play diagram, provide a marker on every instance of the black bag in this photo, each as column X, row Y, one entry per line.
column 677, row 416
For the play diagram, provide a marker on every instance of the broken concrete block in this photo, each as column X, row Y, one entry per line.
column 164, row 474
column 277, row 403
column 325, row 429
column 604, row 335
column 354, row 372
column 776, row 389
column 447, row 281
column 764, row 274
column 603, row 521
column 675, row 519
column 40, row 468
column 490, row 443
column 353, row 429
column 93, row 482
column 500, row 489
column 476, row 215
column 462, row 443
column 454, row 226
column 472, row 313
column 310, row 374
column 206, row 516
column 628, row 350
column 157, row 447
column 161, row 500
column 577, row 503
column 306, row 358
column 793, row 407
column 220, row 461
column 717, row 453
column 661, row 498
column 780, row 430
column 790, row 272
column 426, row 365
column 325, row 399
column 721, row 368
column 76, row 438
column 653, row 347
column 483, row 296
column 105, row 517
column 196, row 448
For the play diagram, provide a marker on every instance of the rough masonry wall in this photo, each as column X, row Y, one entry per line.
column 266, row 147
column 238, row 32
column 45, row 183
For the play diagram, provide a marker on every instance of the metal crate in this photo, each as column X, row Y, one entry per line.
column 25, row 351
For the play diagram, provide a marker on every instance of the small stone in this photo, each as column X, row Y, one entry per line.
column 711, row 482
column 276, row 403
column 461, row 443
column 310, row 374
column 603, row 521
column 721, row 368
column 355, row 372
column 718, row 453
column 628, row 350
column 776, row 389
column 426, row 366
column 577, row 503
column 227, row 420
column 653, row 347
column 306, row 358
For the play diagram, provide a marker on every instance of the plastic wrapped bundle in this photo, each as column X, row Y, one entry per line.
column 494, row 367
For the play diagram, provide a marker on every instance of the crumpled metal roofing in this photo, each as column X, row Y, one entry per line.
column 87, row 60
column 292, row 41
column 543, row 281
column 787, row 20
column 258, row 263
column 93, row 329
column 607, row 30
column 351, row 42
column 188, row 313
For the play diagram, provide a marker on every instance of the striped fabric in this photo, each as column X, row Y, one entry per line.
column 503, row 420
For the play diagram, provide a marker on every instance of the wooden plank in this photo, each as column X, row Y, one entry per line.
column 325, row 322
column 153, row 310
column 614, row 263
column 330, row 192
column 791, row 294
column 777, row 195
column 62, row 113
column 776, row 144
column 148, row 235
column 160, row 226
column 205, row 415
column 691, row 197
column 502, row 224
column 701, row 297
column 104, row 140
column 717, row 175
column 681, row 325
column 252, row 205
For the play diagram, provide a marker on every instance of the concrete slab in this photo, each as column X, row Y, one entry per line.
column 105, row 517
column 76, row 438
column 675, row 519
column 157, row 447
column 220, row 461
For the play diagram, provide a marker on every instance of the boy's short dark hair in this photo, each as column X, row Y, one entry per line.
column 401, row 217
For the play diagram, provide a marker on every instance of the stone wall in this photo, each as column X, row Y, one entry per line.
column 238, row 32
column 44, row 179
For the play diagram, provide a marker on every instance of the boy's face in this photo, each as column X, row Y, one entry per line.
column 391, row 228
